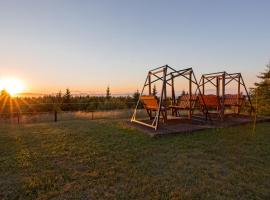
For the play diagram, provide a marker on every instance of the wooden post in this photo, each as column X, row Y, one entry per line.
column 238, row 95
column 161, row 98
column 165, row 92
column 203, row 85
column 18, row 117
column 149, row 84
column 55, row 116
column 223, row 95
column 190, row 94
column 217, row 86
column 173, row 92
column 149, row 88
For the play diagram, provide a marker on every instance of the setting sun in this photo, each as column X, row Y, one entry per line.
column 11, row 85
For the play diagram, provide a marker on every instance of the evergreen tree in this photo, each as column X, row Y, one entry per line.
column 261, row 92
column 136, row 96
column 59, row 97
column 67, row 96
column 108, row 93
column 154, row 91
column 183, row 93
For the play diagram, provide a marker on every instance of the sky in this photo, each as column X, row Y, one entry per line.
column 87, row 45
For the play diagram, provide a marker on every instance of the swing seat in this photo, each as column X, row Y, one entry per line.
column 232, row 100
column 210, row 104
column 151, row 103
column 183, row 103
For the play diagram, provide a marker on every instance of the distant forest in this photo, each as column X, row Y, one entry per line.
column 66, row 102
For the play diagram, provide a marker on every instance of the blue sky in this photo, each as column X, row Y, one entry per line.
column 87, row 45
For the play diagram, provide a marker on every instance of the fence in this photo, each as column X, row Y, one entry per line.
column 64, row 111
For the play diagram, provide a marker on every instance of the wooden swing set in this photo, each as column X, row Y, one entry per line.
column 207, row 104
column 220, row 101
column 157, row 108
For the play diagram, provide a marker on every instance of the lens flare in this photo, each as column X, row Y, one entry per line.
column 12, row 86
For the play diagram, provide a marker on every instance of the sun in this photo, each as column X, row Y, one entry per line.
column 12, row 86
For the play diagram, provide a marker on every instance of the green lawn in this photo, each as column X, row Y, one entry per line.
column 83, row 159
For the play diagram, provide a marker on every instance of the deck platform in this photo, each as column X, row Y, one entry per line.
column 184, row 125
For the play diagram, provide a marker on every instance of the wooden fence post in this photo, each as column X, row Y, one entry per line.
column 18, row 117
column 55, row 116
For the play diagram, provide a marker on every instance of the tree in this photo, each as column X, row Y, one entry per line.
column 58, row 97
column 4, row 94
column 154, row 92
column 136, row 96
column 67, row 96
column 261, row 92
column 67, row 100
column 108, row 93
column 183, row 93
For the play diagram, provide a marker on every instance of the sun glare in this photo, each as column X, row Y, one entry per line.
column 12, row 86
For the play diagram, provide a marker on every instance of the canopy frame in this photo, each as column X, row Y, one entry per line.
column 222, row 79
column 167, row 75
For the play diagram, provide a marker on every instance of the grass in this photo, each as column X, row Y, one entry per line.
column 101, row 159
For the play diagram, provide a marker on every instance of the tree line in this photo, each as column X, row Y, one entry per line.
column 66, row 102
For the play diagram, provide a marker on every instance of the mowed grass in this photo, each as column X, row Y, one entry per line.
column 84, row 159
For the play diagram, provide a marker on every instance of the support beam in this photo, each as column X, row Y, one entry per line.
column 217, row 86
column 149, row 90
column 203, row 84
column 238, row 95
column 149, row 84
column 161, row 99
column 223, row 96
column 173, row 91
column 190, row 94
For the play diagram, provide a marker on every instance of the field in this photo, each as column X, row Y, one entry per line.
column 103, row 159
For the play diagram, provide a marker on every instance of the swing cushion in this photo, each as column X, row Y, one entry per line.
column 183, row 102
column 150, row 102
column 232, row 100
column 211, row 101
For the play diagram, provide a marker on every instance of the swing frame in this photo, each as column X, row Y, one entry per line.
column 220, row 80
column 167, row 75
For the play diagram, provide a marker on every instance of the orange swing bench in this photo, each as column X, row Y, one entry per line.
column 184, row 102
column 233, row 100
column 151, row 104
column 210, row 104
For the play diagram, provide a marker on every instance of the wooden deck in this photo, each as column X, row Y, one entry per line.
column 184, row 125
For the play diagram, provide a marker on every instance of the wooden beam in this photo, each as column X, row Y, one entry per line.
column 173, row 91
column 203, row 84
column 149, row 84
column 209, row 74
column 217, row 86
column 223, row 96
column 190, row 94
column 149, row 90
column 238, row 95
column 161, row 98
